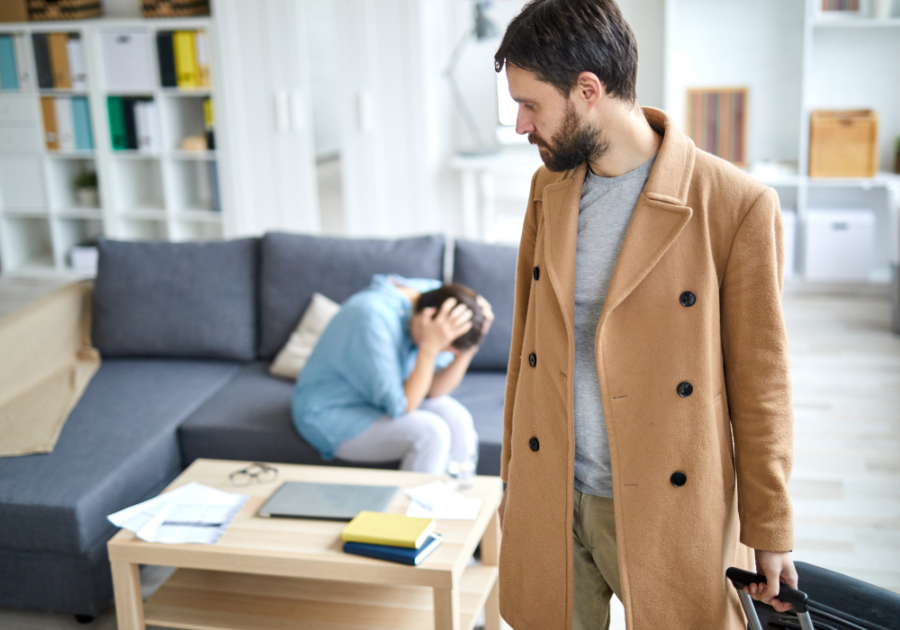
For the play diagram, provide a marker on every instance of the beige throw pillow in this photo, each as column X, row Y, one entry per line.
column 290, row 361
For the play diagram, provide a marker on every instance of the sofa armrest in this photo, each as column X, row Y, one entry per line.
column 46, row 361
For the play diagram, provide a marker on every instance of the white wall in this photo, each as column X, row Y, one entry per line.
column 763, row 50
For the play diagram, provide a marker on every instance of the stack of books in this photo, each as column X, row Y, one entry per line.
column 133, row 124
column 183, row 59
column 59, row 61
column 840, row 5
column 393, row 537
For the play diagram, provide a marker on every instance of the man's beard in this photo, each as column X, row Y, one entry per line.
column 573, row 144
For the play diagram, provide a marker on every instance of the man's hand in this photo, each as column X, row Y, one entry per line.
column 434, row 330
column 488, row 314
column 777, row 567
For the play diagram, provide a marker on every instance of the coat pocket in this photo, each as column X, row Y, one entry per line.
column 726, row 443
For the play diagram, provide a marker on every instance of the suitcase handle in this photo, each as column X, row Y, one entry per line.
column 787, row 594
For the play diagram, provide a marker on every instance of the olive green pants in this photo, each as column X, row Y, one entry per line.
column 596, row 564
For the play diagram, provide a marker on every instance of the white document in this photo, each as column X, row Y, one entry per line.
column 140, row 126
column 127, row 60
column 76, row 63
column 193, row 513
column 23, row 54
column 436, row 500
column 65, row 123
column 153, row 140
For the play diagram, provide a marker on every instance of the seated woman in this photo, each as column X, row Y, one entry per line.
column 375, row 387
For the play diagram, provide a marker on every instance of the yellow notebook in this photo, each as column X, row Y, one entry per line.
column 398, row 530
column 187, row 75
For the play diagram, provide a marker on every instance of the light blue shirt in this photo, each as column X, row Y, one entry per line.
column 358, row 368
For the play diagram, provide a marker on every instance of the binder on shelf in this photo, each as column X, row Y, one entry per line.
column 117, row 122
column 185, row 60
column 9, row 74
column 81, row 115
column 42, row 60
column 131, row 141
column 209, row 124
column 65, row 125
column 215, row 203
column 59, row 60
column 26, row 80
column 200, row 46
column 76, row 63
column 147, row 128
column 48, row 110
column 165, row 52
column 127, row 60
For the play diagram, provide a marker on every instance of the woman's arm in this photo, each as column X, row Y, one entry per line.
column 449, row 378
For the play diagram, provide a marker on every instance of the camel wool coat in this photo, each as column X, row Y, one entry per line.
column 692, row 361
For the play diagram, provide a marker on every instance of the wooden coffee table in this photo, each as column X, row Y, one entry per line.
column 268, row 573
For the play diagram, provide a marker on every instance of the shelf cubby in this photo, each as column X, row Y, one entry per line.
column 183, row 117
column 192, row 185
column 27, row 244
column 142, row 230
column 63, row 196
column 22, row 183
column 72, row 232
column 138, row 184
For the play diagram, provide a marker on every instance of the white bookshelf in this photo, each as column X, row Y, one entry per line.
column 796, row 59
column 142, row 196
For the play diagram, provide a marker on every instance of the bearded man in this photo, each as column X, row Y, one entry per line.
column 648, row 425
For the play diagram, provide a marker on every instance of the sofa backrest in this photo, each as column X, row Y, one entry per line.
column 180, row 300
column 295, row 266
column 490, row 270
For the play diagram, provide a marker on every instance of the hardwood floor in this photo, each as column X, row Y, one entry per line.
column 845, row 369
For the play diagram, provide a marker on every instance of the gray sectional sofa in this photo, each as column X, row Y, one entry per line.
column 187, row 332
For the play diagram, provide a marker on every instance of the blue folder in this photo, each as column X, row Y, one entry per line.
column 81, row 116
column 395, row 554
column 9, row 73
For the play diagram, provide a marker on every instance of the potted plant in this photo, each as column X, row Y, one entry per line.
column 85, row 184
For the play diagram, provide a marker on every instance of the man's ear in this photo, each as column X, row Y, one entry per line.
column 589, row 89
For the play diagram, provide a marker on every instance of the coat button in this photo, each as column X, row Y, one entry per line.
column 534, row 444
column 688, row 299
column 537, row 273
column 532, row 359
column 685, row 389
column 678, row 479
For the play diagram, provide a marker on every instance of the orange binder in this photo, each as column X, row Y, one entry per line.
column 59, row 60
column 48, row 107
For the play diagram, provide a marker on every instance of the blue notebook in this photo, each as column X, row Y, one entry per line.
column 81, row 115
column 9, row 72
column 395, row 554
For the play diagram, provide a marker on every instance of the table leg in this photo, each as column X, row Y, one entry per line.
column 127, row 588
column 490, row 556
column 446, row 608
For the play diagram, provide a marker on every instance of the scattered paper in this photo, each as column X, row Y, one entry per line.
column 193, row 513
column 436, row 500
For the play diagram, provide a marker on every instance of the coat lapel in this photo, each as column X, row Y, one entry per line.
column 659, row 216
column 560, row 206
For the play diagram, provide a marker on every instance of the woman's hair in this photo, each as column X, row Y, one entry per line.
column 464, row 295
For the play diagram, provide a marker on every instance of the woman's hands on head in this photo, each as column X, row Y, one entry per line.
column 434, row 330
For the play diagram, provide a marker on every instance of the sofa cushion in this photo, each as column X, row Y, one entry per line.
column 491, row 271
column 293, row 267
column 250, row 420
column 184, row 300
column 118, row 447
column 482, row 393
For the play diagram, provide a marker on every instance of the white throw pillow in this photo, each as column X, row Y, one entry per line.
column 290, row 361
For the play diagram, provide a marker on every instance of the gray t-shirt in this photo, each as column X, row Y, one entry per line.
column 607, row 204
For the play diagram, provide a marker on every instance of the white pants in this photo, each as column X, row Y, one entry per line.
column 439, row 431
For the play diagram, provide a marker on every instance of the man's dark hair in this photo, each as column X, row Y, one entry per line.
column 464, row 295
column 560, row 39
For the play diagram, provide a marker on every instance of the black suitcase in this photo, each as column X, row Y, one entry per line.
column 852, row 604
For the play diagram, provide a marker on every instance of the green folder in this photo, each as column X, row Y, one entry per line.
column 117, row 123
